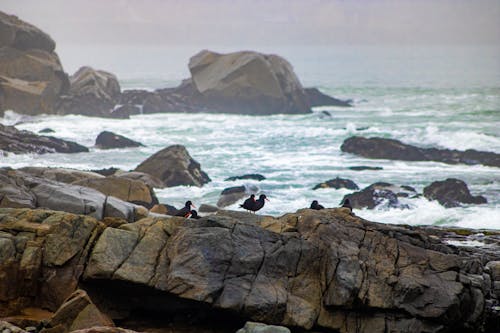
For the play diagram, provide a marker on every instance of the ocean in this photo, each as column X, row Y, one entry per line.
column 430, row 96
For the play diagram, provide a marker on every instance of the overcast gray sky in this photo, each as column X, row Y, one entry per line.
column 264, row 22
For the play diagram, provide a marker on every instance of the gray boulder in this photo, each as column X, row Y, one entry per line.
column 174, row 166
column 110, row 140
column 452, row 193
column 252, row 327
column 337, row 183
column 380, row 195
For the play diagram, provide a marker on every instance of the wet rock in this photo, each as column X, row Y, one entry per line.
column 231, row 195
column 125, row 111
column 110, row 140
column 174, row 166
column 76, row 313
column 251, row 327
column 204, row 208
column 63, row 175
column 46, row 130
column 92, row 93
column 380, row 195
column 31, row 75
column 253, row 176
column 338, row 183
column 22, row 142
column 381, row 148
column 134, row 96
column 363, row 167
column 106, row 171
column 452, row 193
column 317, row 98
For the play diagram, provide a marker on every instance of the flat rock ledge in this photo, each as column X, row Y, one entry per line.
column 380, row 148
column 314, row 270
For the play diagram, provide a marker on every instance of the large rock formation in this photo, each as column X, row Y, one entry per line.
column 396, row 150
column 92, row 93
column 174, row 166
column 382, row 195
column 21, row 142
column 337, row 183
column 31, row 75
column 452, row 193
column 110, row 140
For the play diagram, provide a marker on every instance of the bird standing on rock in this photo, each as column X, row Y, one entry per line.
column 347, row 204
column 254, row 205
column 315, row 205
column 186, row 210
column 194, row 214
column 248, row 203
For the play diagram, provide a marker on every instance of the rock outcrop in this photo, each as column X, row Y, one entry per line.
column 317, row 98
column 452, row 193
column 381, row 148
column 110, row 140
column 326, row 270
column 380, row 195
column 251, row 176
column 31, row 75
column 337, row 183
column 22, row 142
column 230, row 195
column 174, row 166
column 92, row 93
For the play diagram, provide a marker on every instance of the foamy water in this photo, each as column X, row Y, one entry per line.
column 296, row 152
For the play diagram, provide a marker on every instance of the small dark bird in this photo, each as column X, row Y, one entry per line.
column 194, row 214
column 315, row 205
column 249, row 203
column 347, row 204
column 186, row 210
column 259, row 203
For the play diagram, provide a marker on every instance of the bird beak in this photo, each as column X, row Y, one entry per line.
column 267, row 199
column 192, row 205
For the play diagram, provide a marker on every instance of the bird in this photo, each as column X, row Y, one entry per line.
column 186, row 210
column 315, row 205
column 248, row 203
column 194, row 214
column 259, row 203
column 347, row 204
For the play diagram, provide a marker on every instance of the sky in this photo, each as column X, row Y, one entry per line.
column 263, row 22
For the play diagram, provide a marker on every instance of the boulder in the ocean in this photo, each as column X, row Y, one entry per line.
column 380, row 195
column 174, row 166
column 46, row 130
column 247, row 82
column 125, row 111
column 231, row 195
column 382, row 148
column 452, row 193
column 146, row 178
column 337, row 183
column 252, row 176
column 21, row 142
column 92, row 93
column 364, row 167
column 110, row 140
column 317, row 98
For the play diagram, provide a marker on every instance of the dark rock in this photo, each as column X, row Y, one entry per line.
column 125, row 111
column 134, row 96
column 106, row 171
column 21, row 142
column 317, row 98
column 92, row 93
column 451, row 193
column 381, row 148
column 363, row 167
column 110, row 140
column 338, row 183
column 46, row 130
column 174, row 166
column 204, row 208
column 253, row 176
column 231, row 195
column 377, row 194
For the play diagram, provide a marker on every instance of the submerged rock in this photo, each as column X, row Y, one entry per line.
column 380, row 194
column 338, row 183
column 452, row 193
column 110, row 140
column 363, row 167
column 317, row 98
column 22, row 142
column 253, row 176
column 382, row 148
column 174, row 166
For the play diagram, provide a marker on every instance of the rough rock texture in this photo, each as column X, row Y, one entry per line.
column 317, row 98
column 26, row 190
column 174, row 166
column 230, row 195
column 76, row 313
column 251, row 327
column 337, row 183
column 148, row 179
column 31, row 75
column 380, row 195
column 21, row 142
column 452, row 193
column 92, row 93
column 396, row 150
column 9, row 328
column 43, row 255
column 63, row 175
column 125, row 111
column 252, row 176
column 110, row 140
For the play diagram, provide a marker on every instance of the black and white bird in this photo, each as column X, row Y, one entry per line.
column 248, row 203
column 186, row 210
column 254, row 205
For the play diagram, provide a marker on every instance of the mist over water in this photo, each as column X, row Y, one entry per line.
column 445, row 97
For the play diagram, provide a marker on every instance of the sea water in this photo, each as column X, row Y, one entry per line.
column 444, row 97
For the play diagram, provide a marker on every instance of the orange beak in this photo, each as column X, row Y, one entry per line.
column 267, row 199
